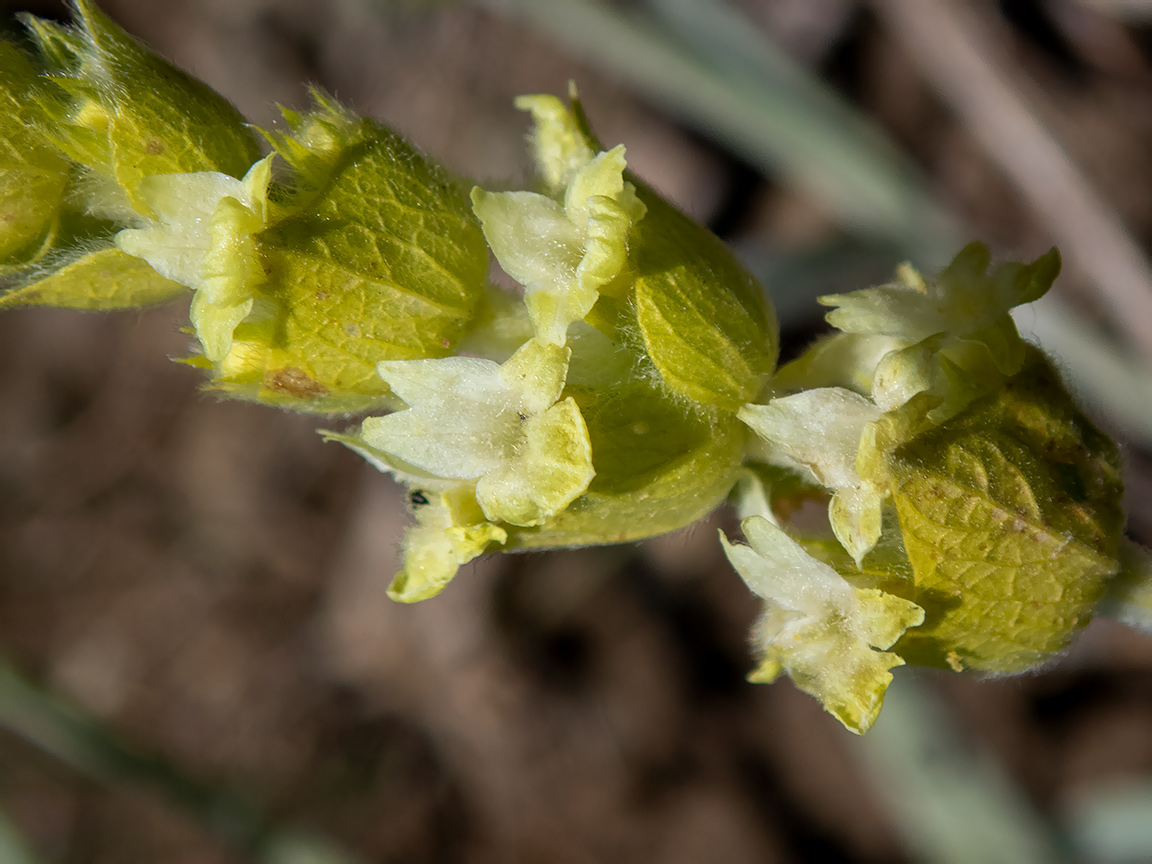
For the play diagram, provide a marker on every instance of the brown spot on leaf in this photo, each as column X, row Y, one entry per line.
column 154, row 147
column 294, row 382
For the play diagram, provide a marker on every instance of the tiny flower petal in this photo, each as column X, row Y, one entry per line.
column 817, row 628
column 964, row 302
column 553, row 469
column 904, row 372
column 460, row 413
column 536, row 372
column 530, row 235
column 856, row 516
column 821, row 430
column 203, row 238
column 558, row 456
column 499, row 425
column 839, row 360
column 175, row 245
column 602, row 177
column 563, row 255
column 559, row 145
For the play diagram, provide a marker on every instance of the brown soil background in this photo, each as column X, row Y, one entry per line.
column 208, row 578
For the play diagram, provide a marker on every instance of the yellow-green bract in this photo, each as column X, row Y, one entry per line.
column 127, row 114
column 1011, row 518
column 370, row 253
column 33, row 176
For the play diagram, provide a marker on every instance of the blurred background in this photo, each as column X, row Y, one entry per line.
column 198, row 662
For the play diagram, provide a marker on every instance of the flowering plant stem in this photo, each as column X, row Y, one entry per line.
column 626, row 389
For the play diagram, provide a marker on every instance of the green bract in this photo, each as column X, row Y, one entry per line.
column 974, row 516
column 33, row 176
column 1011, row 518
column 107, row 279
column 127, row 114
column 705, row 321
column 658, row 468
column 370, row 253
column 107, row 118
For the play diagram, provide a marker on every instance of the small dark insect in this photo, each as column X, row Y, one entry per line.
column 417, row 498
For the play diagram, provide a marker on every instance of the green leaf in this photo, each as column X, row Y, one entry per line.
column 106, row 279
column 1011, row 517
